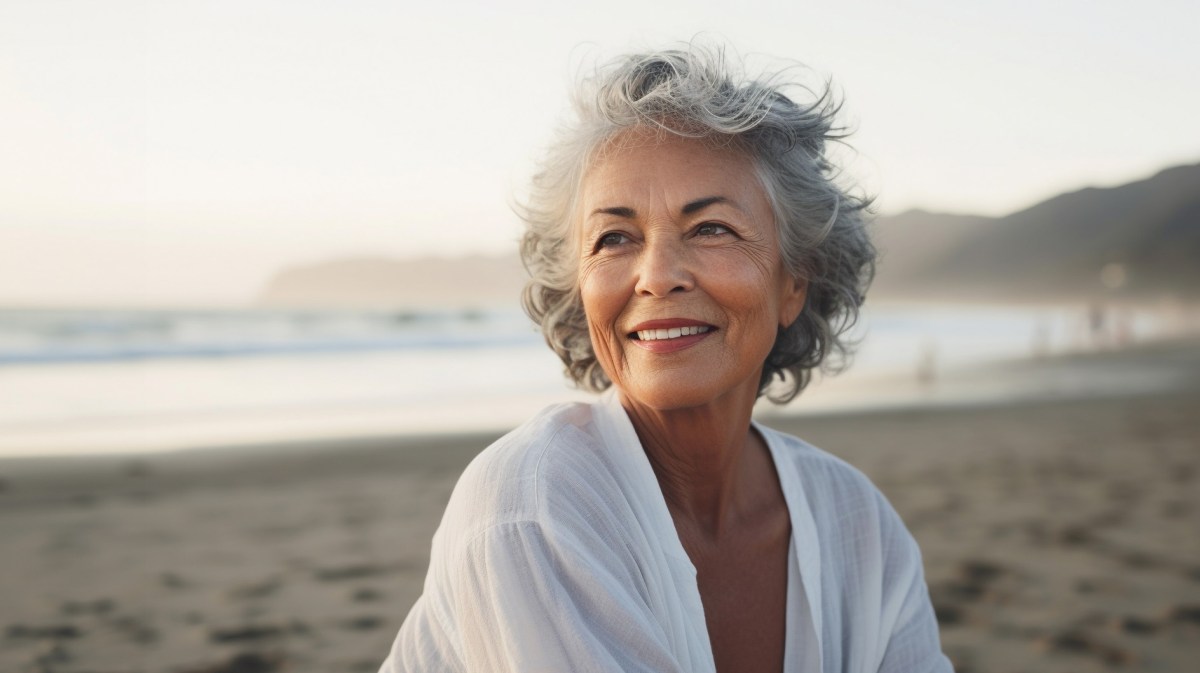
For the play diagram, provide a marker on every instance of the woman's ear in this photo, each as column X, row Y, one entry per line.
column 795, row 294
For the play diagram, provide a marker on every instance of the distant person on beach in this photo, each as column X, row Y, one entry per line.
column 690, row 252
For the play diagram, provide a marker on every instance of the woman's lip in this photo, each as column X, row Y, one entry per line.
column 668, row 323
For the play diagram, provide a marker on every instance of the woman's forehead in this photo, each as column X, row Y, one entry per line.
column 645, row 164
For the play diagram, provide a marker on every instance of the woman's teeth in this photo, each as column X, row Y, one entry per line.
column 672, row 333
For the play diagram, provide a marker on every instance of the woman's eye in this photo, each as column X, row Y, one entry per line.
column 611, row 239
column 712, row 229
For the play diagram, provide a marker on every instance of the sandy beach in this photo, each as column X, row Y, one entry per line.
column 1060, row 533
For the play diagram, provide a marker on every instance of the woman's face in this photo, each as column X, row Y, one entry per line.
column 680, row 271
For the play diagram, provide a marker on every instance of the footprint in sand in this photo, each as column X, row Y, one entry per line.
column 1074, row 641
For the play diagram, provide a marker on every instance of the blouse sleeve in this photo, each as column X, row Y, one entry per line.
column 913, row 644
column 514, row 598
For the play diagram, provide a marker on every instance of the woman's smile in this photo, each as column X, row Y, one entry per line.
column 670, row 335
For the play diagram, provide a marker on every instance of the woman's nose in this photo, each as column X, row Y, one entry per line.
column 663, row 268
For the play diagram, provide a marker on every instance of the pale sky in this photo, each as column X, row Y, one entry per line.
column 178, row 153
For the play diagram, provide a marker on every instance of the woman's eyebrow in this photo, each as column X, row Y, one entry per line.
column 688, row 208
column 701, row 204
column 618, row 211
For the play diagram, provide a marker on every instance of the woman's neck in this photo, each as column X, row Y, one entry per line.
column 707, row 461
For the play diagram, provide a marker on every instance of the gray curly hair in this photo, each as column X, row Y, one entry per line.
column 696, row 92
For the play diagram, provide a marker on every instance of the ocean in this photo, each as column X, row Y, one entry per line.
column 132, row 381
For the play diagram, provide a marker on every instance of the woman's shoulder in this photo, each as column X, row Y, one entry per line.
column 529, row 474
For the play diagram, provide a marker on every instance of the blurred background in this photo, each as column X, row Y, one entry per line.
column 259, row 305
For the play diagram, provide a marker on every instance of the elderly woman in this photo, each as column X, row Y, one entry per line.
column 688, row 245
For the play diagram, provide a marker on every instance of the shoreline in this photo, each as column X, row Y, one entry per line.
column 1148, row 367
column 148, row 406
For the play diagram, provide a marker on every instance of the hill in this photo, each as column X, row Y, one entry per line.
column 1139, row 240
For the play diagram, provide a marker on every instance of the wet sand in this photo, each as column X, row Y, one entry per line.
column 1060, row 534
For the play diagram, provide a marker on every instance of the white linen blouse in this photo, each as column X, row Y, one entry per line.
column 557, row 553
